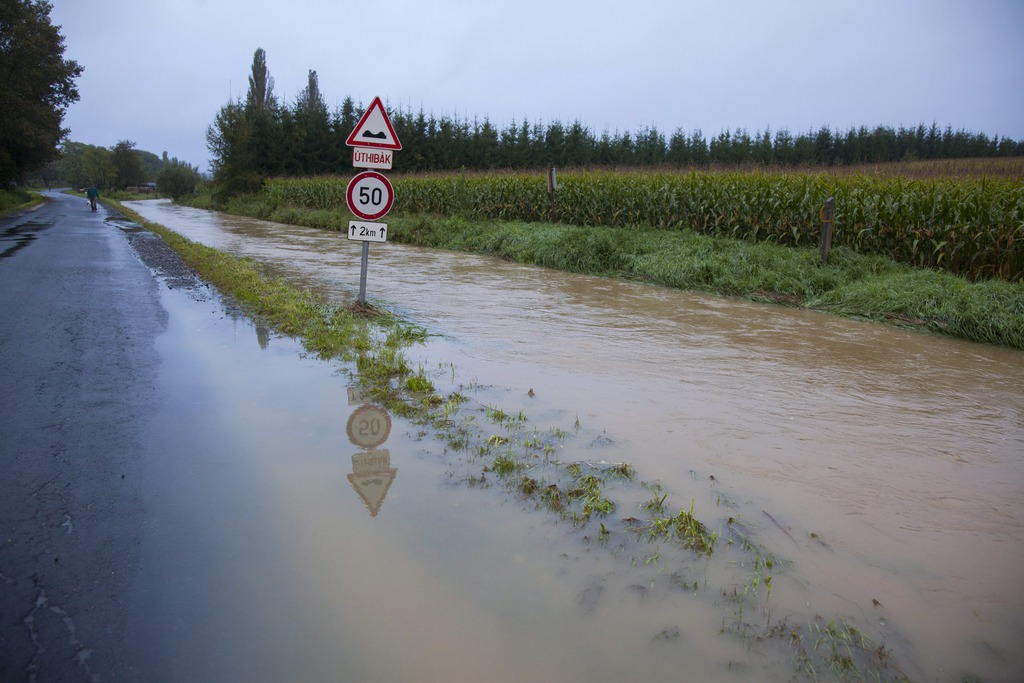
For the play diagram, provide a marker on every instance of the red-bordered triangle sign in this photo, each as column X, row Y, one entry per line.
column 374, row 129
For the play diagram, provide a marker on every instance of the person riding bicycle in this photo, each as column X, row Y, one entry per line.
column 93, row 194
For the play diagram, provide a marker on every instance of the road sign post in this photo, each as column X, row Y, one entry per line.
column 364, row 263
column 369, row 194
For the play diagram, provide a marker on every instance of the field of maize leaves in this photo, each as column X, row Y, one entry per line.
column 971, row 226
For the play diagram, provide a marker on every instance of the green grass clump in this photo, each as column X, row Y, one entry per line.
column 683, row 527
column 419, row 383
column 505, row 465
column 988, row 311
column 580, row 498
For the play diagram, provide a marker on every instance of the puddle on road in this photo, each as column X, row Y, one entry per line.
column 884, row 467
column 17, row 237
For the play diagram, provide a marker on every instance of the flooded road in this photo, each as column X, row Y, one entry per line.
column 883, row 468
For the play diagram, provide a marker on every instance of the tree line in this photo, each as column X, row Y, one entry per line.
column 37, row 84
column 120, row 167
column 262, row 137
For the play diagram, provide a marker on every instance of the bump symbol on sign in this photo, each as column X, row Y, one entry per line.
column 374, row 129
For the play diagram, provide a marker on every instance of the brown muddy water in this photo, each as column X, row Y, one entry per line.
column 882, row 470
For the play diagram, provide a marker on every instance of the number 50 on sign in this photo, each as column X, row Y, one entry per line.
column 369, row 195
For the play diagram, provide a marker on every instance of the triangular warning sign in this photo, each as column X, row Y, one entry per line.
column 374, row 129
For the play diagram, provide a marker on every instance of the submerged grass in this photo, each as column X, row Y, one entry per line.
column 328, row 331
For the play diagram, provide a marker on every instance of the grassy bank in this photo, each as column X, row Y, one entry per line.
column 853, row 285
column 967, row 225
column 326, row 330
column 16, row 199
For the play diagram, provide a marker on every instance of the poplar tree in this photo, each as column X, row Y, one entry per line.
column 243, row 139
column 260, row 97
column 312, row 144
column 263, row 116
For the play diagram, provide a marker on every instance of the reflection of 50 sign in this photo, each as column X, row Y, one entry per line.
column 368, row 426
column 370, row 195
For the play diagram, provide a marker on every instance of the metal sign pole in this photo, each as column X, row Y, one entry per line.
column 369, row 194
column 362, row 274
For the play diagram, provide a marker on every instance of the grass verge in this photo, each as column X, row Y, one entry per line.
column 851, row 285
column 17, row 199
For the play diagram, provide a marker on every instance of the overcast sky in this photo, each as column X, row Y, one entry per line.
column 156, row 72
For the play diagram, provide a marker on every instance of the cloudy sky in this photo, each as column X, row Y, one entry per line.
column 156, row 72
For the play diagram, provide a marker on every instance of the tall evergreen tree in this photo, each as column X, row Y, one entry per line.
column 245, row 140
column 699, row 147
column 580, row 143
column 260, row 97
column 312, row 141
column 229, row 139
column 263, row 113
column 762, row 150
column 678, row 153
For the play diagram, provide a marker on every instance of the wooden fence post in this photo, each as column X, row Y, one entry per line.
column 827, row 216
column 552, row 184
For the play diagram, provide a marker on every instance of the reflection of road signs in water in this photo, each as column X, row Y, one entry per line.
column 372, row 475
column 368, row 426
column 371, row 463
column 357, row 396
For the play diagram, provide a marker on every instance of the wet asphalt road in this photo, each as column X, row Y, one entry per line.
column 79, row 314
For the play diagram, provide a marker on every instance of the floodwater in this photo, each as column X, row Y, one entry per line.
column 884, row 469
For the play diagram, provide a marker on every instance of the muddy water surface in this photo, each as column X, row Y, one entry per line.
column 885, row 470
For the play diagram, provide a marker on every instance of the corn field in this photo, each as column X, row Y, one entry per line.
column 972, row 226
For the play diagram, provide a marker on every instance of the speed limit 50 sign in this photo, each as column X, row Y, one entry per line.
column 370, row 195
